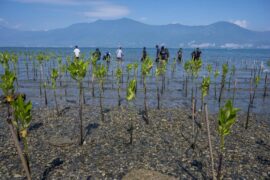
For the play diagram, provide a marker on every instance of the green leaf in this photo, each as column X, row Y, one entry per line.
column 22, row 112
column 147, row 65
column 78, row 69
column 226, row 118
column 131, row 90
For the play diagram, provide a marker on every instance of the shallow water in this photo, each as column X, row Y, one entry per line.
column 174, row 95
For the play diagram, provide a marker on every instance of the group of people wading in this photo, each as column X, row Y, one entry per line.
column 162, row 54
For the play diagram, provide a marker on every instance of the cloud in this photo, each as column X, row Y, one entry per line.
column 107, row 11
column 3, row 21
column 192, row 44
column 241, row 23
column 143, row 18
column 236, row 46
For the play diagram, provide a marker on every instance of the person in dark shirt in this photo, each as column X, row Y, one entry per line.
column 196, row 54
column 107, row 57
column 162, row 53
column 179, row 55
column 157, row 53
column 97, row 54
column 144, row 54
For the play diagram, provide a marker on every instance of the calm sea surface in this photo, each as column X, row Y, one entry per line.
column 243, row 59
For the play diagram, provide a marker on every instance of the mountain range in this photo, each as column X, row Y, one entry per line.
column 130, row 33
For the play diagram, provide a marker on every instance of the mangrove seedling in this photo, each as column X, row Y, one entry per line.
column 54, row 76
column 209, row 141
column 226, row 118
column 131, row 94
column 209, row 69
column 4, row 59
column 41, row 57
column 22, row 114
column 118, row 76
column 160, row 71
column 78, row 70
column 173, row 66
column 100, row 74
column 205, row 89
column 251, row 99
column 232, row 73
column 135, row 66
column 215, row 77
column 7, row 86
column 146, row 68
column 129, row 68
column 223, row 80
column 94, row 59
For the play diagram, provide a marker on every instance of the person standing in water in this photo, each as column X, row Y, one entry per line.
column 157, row 53
column 76, row 53
column 196, row 54
column 144, row 54
column 179, row 55
column 119, row 54
column 97, row 54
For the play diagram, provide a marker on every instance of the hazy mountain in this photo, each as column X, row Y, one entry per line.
column 130, row 33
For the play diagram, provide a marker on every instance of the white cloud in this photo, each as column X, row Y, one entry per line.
column 3, row 21
column 143, row 18
column 192, row 44
column 241, row 23
column 236, row 46
column 7, row 24
column 107, row 11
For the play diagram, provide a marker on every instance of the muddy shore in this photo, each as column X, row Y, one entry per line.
column 163, row 146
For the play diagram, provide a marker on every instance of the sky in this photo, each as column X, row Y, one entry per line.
column 50, row 14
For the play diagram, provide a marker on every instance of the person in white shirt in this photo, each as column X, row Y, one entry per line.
column 77, row 52
column 119, row 54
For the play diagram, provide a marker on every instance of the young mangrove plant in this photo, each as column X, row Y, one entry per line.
column 232, row 73
column 265, row 86
column 209, row 141
column 129, row 68
column 205, row 89
column 135, row 67
column 193, row 67
column 216, row 74
column 226, row 118
column 173, row 66
column 209, row 69
column 41, row 57
column 146, row 67
column 14, row 60
column 22, row 115
column 54, row 76
column 4, row 59
column 78, row 70
column 100, row 74
column 118, row 76
column 131, row 94
column 94, row 59
column 223, row 80
column 160, row 71
column 163, row 64
column 7, row 86
column 251, row 98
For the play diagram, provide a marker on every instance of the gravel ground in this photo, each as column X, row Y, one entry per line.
column 164, row 145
